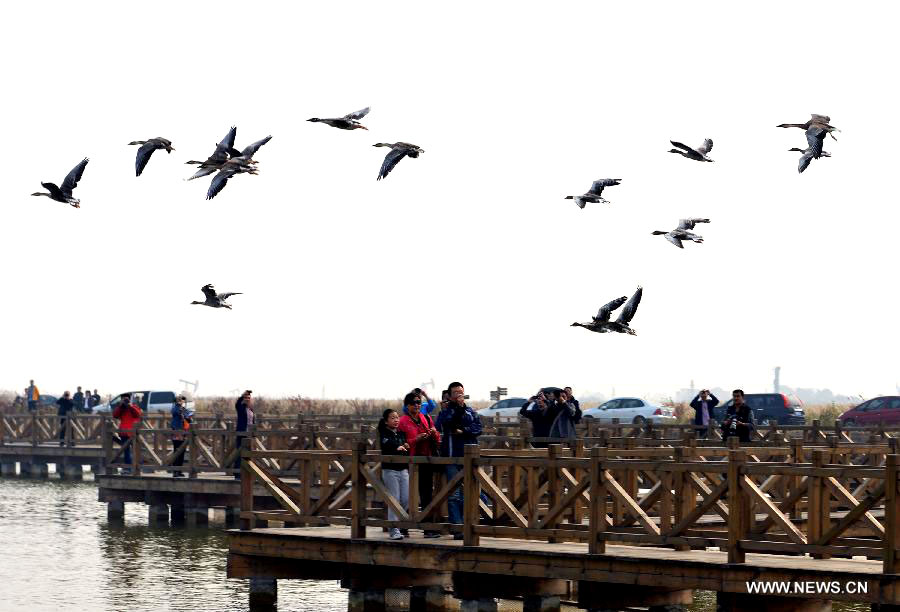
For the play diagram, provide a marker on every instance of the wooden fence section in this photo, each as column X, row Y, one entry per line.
column 687, row 499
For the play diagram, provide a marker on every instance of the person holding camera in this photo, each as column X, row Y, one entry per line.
column 567, row 416
column 181, row 423
column 537, row 410
column 424, row 441
column 703, row 405
column 129, row 414
column 459, row 425
column 738, row 418
column 394, row 475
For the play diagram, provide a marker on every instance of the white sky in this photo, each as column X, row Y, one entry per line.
column 466, row 263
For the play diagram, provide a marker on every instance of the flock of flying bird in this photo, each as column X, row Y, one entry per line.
column 226, row 162
column 816, row 129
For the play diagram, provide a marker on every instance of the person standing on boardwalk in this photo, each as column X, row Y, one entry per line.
column 245, row 418
column 78, row 399
column 459, row 425
column 32, row 396
column 428, row 405
column 537, row 410
column 395, row 476
column 572, row 399
column 703, row 405
column 95, row 400
column 64, row 407
column 128, row 414
column 738, row 418
column 424, row 441
column 181, row 423
column 567, row 416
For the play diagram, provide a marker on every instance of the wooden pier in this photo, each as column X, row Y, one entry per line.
column 613, row 529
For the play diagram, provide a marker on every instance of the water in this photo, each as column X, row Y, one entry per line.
column 59, row 553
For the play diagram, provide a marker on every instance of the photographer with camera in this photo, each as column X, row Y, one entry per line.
column 181, row 423
column 703, row 406
column 459, row 425
column 424, row 441
column 567, row 416
column 738, row 418
column 538, row 410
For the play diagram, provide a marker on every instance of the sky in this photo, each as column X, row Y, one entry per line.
column 466, row 263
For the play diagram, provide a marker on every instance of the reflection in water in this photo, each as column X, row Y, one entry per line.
column 60, row 554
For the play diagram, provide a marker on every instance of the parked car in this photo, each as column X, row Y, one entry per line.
column 884, row 409
column 631, row 410
column 148, row 401
column 768, row 408
column 508, row 407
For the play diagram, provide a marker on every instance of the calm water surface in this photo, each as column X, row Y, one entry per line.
column 59, row 553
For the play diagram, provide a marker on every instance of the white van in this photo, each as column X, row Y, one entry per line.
column 148, row 401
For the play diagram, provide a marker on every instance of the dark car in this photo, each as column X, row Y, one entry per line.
column 877, row 410
column 768, row 408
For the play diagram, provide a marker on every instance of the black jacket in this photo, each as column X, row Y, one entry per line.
column 541, row 421
column 744, row 417
column 64, row 406
column 241, row 410
column 390, row 442
column 697, row 405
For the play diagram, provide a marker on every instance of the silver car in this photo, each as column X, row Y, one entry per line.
column 631, row 410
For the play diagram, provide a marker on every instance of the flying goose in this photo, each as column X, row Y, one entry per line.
column 64, row 193
column 815, row 138
column 682, row 232
column 147, row 149
column 240, row 164
column 213, row 299
column 822, row 121
column 593, row 194
column 698, row 154
column 398, row 151
column 350, row 121
column 224, row 150
column 601, row 323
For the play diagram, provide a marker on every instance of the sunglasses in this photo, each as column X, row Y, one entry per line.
column 419, row 403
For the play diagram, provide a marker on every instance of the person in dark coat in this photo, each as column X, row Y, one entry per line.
column 703, row 405
column 244, row 408
column 567, row 416
column 395, row 476
column 78, row 399
column 738, row 418
column 539, row 411
column 459, row 425
column 64, row 407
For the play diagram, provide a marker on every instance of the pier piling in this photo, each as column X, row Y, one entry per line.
column 263, row 594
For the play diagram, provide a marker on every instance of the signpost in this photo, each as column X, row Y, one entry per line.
column 496, row 395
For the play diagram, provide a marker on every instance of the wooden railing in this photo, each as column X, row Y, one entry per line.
column 763, row 501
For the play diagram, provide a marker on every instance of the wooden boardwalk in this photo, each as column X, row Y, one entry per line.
column 613, row 529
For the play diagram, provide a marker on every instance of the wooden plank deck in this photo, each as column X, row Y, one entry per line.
column 251, row 550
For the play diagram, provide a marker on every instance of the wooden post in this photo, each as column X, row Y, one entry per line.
column 67, row 434
column 597, row 516
column 194, row 453
column 796, row 459
column 34, row 429
column 578, row 509
column 891, row 515
column 107, row 442
column 819, row 510
column 246, row 488
column 738, row 507
column 471, row 495
column 136, row 450
column 553, row 482
column 358, row 488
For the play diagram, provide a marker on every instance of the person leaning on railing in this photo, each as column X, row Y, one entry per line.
column 64, row 408
column 424, row 441
column 395, row 476
column 245, row 417
column 181, row 423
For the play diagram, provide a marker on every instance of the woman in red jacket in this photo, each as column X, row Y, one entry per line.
column 424, row 440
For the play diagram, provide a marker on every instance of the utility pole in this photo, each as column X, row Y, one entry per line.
column 778, row 379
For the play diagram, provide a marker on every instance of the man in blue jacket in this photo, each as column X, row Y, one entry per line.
column 459, row 425
column 703, row 406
